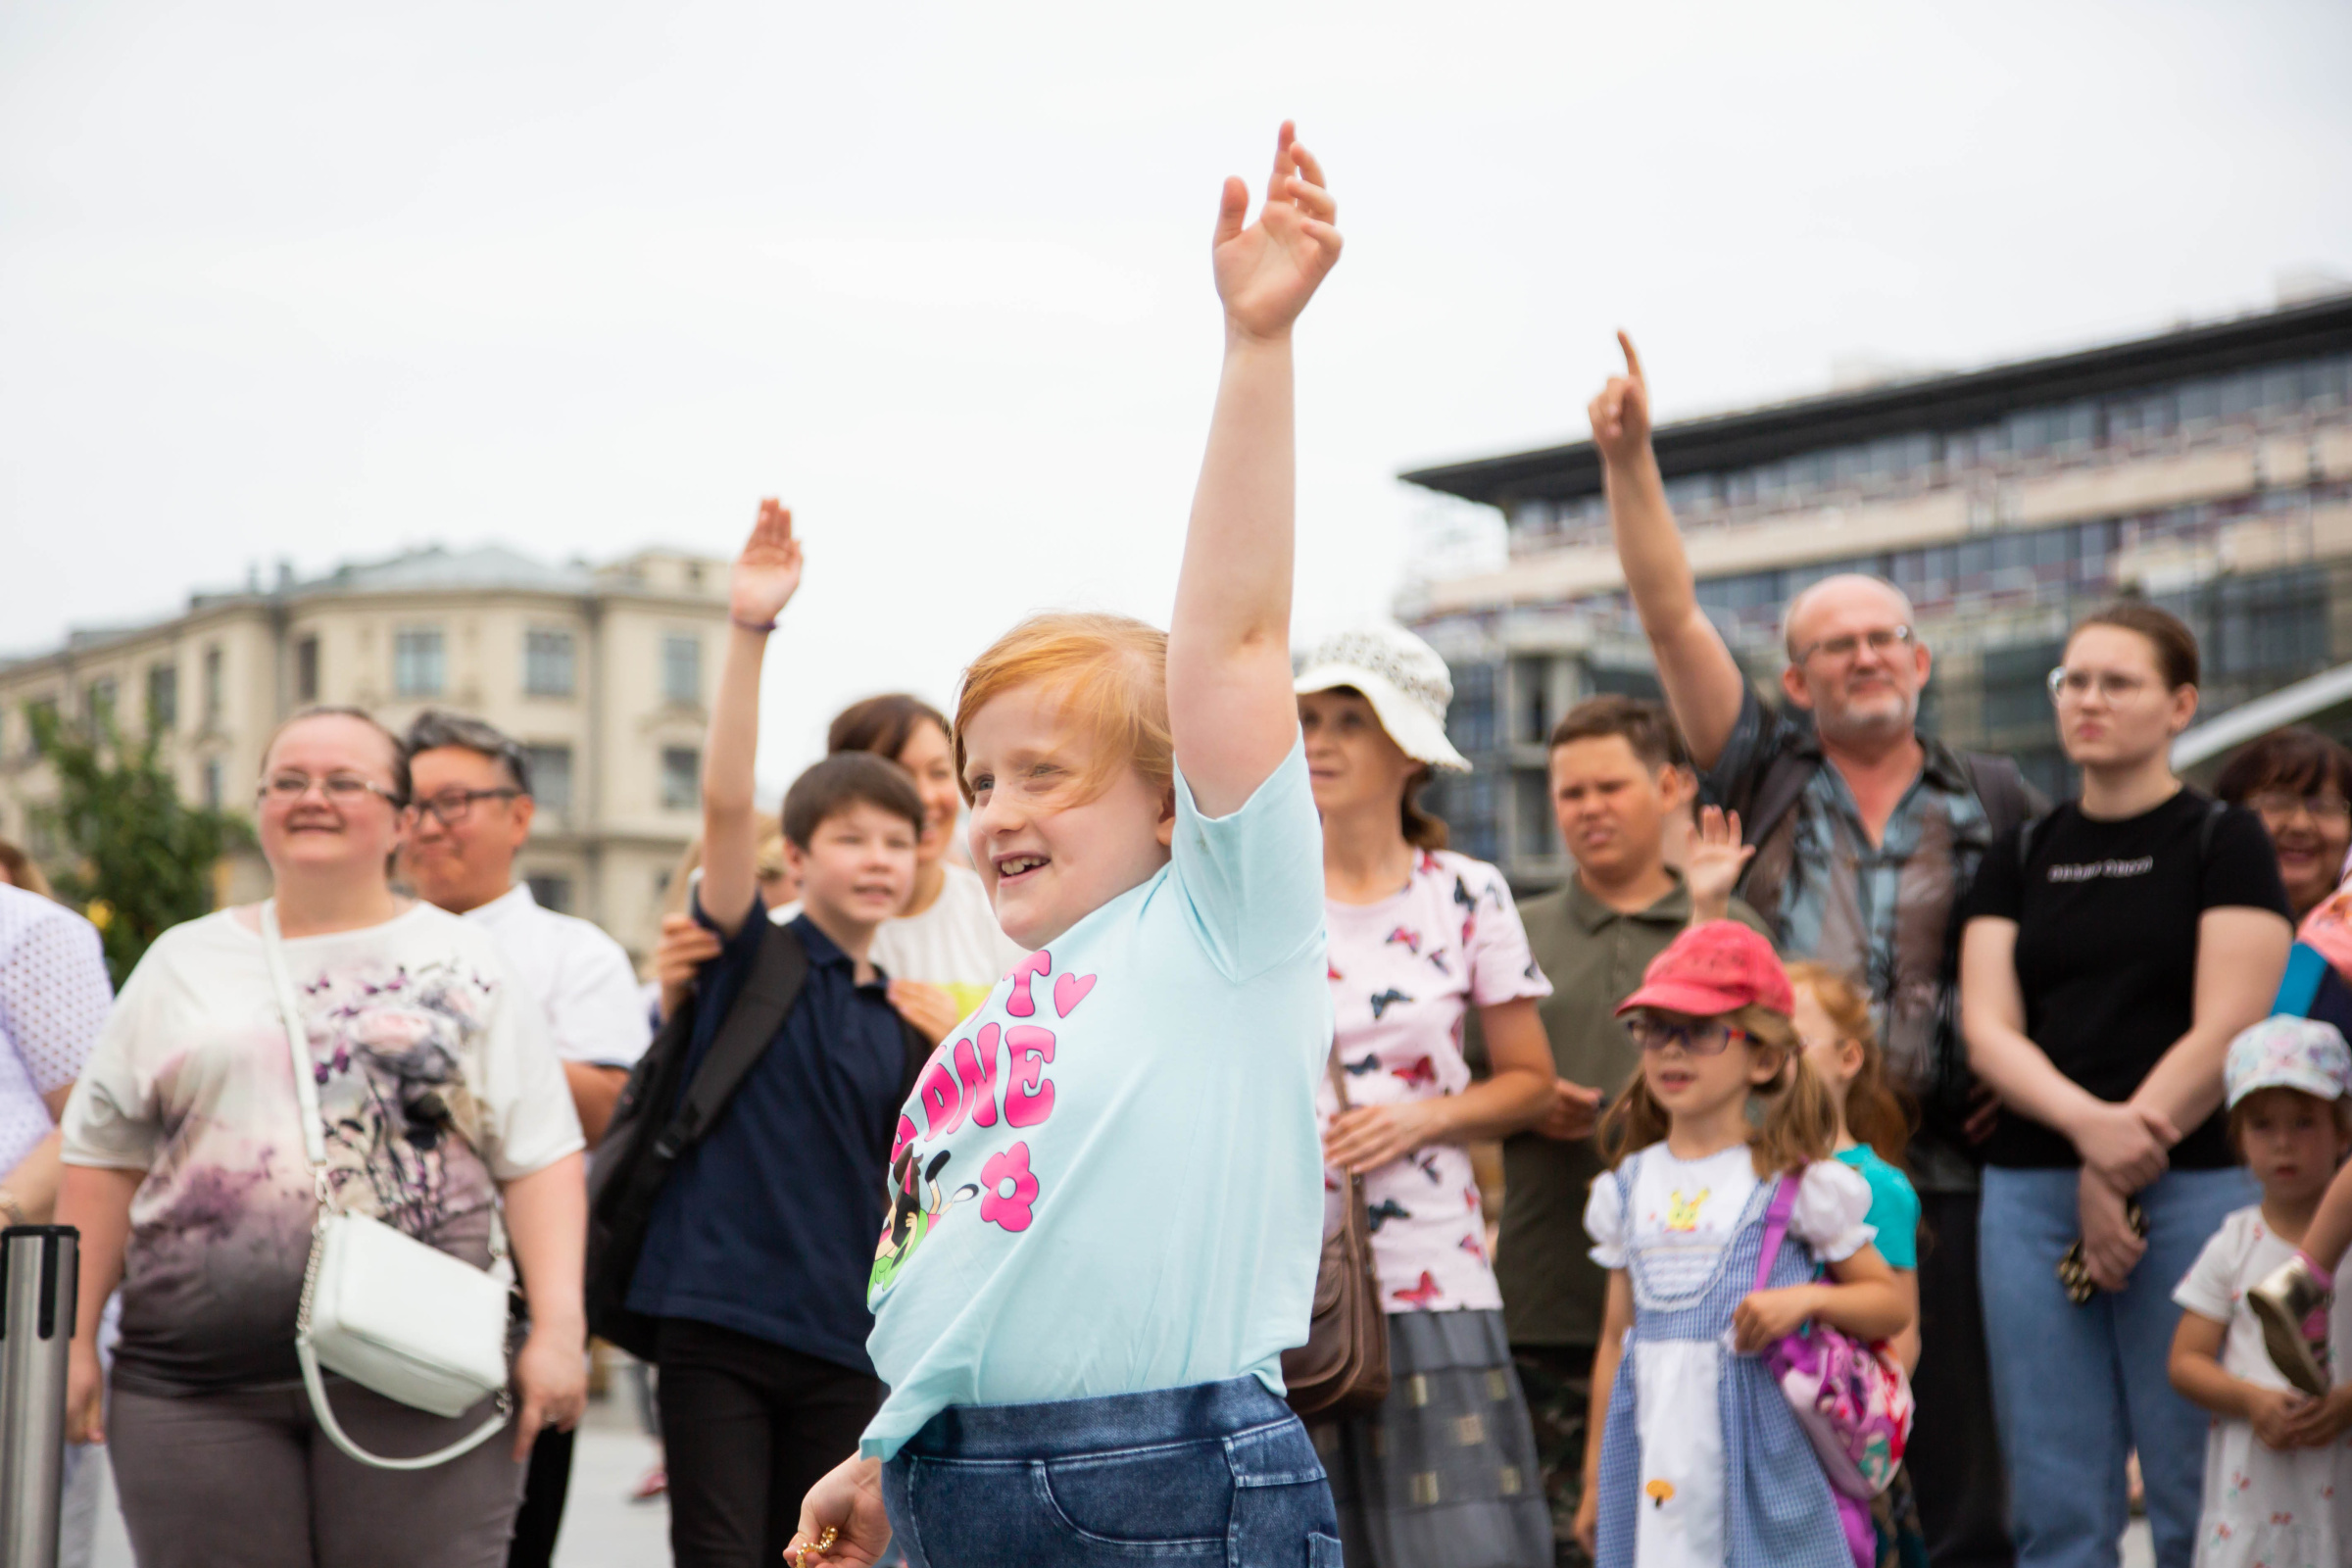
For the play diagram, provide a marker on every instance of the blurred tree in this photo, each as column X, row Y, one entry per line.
column 136, row 858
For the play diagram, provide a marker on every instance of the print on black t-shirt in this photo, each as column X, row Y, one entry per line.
column 2107, row 917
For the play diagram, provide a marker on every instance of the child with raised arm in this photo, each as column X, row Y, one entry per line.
column 2277, row 1464
column 1107, row 1190
column 1692, row 1454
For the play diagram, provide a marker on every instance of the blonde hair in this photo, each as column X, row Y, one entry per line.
column 1796, row 1125
column 1110, row 674
column 1875, row 1112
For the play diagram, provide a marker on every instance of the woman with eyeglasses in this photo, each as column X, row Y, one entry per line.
column 185, row 1170
column 2299, row 782
column 2111, row 949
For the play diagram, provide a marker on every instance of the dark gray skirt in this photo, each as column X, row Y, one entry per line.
column 1443, row 1474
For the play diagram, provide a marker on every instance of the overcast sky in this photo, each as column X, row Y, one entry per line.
column 325, row 281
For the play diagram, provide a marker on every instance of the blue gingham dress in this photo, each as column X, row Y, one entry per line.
column 1778, row 1509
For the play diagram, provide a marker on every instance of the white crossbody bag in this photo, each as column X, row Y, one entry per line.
column 380, row 1308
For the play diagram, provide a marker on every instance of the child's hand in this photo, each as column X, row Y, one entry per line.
column 684, row 948
column 2322, row 1421
column 1588, row 1522
column 1574, row 1113
column 1267, row 272
column 1712, row 867
column 1620, row 415
column 2274, row 1412
column 1766, row 1317
column 768, row 570
column 930, row 1008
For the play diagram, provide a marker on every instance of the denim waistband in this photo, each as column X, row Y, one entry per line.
column 1061, row 1428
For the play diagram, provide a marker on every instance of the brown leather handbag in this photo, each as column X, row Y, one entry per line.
column 1341, row 1371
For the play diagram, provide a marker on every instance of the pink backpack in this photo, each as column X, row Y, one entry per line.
column 1852, row 1399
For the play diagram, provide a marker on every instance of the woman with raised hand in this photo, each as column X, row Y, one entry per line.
column 1107, row 1189
column 2111, row 951
column 1438, row 1477
column 186, row 1171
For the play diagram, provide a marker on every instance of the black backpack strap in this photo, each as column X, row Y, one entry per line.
column 778, row 972
column 2008, row 800
column 2207, row 827
column 1776, row 794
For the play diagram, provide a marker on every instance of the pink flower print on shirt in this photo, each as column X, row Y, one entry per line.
column 1028, row 1092
column 1019, row 1002
column 1007, row 1211
column 1422, row 1294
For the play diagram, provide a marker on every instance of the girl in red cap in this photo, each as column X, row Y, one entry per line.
column 1696, row 1459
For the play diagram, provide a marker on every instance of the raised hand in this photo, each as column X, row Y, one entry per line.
column 767, row 570
column 1713, row 865
column 1620, row 415
column 1267, row 272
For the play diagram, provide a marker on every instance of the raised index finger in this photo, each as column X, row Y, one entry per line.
column 1633, row 361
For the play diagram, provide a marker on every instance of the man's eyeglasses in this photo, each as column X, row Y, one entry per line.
column 1884, row 640
column 452, row 807
column 1700, row 1037
column 2279, row 805
column 2073, row 685
column 341, row 789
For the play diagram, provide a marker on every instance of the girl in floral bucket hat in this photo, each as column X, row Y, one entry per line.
column 2278, row 1463
column 1716, row 1224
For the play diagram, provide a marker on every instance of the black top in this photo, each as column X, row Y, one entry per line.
column 767, row 1224
column 2106, row 916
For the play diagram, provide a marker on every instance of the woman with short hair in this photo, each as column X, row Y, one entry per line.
column 2299, row 782
column 186, row 1173
column 2111, row 952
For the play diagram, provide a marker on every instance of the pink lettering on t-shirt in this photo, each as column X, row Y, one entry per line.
column 906, row 1136
column 1029, row 1095
column 943, row 1105
column 978, row 1073
column 1018, row 1002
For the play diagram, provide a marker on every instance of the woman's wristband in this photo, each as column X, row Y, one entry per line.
column 753, row 626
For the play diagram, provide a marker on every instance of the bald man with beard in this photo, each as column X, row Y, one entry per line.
column 1866, row 834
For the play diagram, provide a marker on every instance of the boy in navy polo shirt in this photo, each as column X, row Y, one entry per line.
column 759, row 1248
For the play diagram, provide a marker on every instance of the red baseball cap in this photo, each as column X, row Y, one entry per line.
column 1712, row 969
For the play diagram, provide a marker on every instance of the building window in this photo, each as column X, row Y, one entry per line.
column 212, row 783
column 212, row 686
column 682, row 671
column 551, row 776
column 163, row 696
column 1470, row 721
column 552, row 892
column 681, row 779
column 306, row 670
column 547, row 663
column 98, row 702
column 418, row 664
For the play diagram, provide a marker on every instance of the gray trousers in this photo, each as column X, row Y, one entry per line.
column 246, row 1477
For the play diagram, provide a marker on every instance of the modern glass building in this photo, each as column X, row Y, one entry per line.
column 2208, row 468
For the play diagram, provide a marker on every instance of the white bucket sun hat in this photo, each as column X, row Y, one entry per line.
column 1404, row 679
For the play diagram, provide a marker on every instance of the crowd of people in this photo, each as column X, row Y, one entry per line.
column 993, row 1177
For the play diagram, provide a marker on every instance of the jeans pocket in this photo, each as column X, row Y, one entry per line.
column 1173, row 1501
column 1323, row 1551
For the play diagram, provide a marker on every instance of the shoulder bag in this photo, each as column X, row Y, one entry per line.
column 380, row 1307
column 1341, row 1371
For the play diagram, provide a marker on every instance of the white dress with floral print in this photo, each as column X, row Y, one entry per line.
column 2263, row 1508
column 1404, row 974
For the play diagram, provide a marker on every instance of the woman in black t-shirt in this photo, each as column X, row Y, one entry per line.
column 2106, row 963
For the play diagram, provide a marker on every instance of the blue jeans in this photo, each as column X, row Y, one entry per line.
column 1216, row 1473
column 2075, row 1388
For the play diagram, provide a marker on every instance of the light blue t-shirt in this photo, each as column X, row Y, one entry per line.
column 1893, row 1205
column 1109, row 1179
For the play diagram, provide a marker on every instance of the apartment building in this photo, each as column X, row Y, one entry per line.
column 604, row 673
column 2208, row 467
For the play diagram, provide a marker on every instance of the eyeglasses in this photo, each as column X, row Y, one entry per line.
column 2279, row 805
column 1885, row 640
column 2072, row 685
column 341, row 789
column 453, row 807
column 1702, row 1037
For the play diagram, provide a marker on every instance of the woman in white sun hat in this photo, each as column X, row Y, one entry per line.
column 1444, row 1472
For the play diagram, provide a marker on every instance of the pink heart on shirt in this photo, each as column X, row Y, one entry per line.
column 1069, row 990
